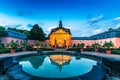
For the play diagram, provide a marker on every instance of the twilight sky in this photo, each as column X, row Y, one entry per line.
column 83, row 17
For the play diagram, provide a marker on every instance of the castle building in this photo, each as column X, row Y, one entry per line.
column 101, row 38
column 11, row 35
column 60, row 36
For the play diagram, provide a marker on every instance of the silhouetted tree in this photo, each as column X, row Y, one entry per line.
column 110, row 29
column 2, row 31
column 118, row 28
column 36, row 33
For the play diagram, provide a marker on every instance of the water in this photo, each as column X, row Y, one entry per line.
column 56, row 66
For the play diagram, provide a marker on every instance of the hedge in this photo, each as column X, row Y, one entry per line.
column 116, row 52
column 4, row 50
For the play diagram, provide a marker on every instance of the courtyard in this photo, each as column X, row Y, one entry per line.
column 110, row 75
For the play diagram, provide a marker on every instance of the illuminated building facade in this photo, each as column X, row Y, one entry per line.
column 60, row 36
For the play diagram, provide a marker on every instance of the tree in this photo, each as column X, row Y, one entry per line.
column 2, row 31
column 37, row 44
column 96, row 45
column 13, row 45
column 81, row 45
column 36, row 33
column 108, row 45
column 118, row 28
column 110, row 29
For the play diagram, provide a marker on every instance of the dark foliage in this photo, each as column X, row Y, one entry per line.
column 36, row 33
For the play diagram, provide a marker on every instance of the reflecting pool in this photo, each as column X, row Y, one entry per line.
column 56, row 65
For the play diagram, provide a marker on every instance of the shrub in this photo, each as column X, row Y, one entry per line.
column 37, row 44
column 72, row 49
column 81, row 45
column 96, row 45
column 4, row 50
column 116, row 52
column 89, row 49
column 13, row 45
column 108, row 45
column 101, row 50
column 31, row 49
column 23, row 44
column 18, row 49
column 47, row 49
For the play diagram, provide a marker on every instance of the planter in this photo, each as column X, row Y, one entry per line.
column 37, row 49
column 96, row 50
column 108, row 51
column 81, row 50
column 23, row 49
column 12, row 50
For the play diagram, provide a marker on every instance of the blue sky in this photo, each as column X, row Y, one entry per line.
column 83, row 17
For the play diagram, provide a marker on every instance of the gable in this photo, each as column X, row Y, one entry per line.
column 60, row 31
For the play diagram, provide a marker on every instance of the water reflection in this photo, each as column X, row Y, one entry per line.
column 77, row 57
column 36, row 62
column 56, row 66
column 60, row 60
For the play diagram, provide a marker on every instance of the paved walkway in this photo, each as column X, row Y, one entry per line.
column 16, row 54
column 100, row 55
column 97, row 54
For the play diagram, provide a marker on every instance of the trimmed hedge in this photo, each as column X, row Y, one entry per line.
column 30, row 49
column 47, row 49
column 116, row 51
column 44, row 49
column 72, row 49
column 89, row 49
column 4, row 50
column 101, row 50
column 18, row 50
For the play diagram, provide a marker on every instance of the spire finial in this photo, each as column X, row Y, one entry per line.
column 60, row 23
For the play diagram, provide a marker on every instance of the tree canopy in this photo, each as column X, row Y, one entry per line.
column 36, row 33
column 2, row 31
column 110, row 29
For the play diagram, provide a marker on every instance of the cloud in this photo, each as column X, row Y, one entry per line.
column 49, row 28
column 117, row 26
column 97, row 31
column 115, row 22
column 95, row 20
column 19, row 26
column 117, row 19
column 24, row 13
column 12, row 25
column 29, row 25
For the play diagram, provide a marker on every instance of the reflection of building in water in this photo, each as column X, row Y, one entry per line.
column 60, row 60
column 37, row 61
